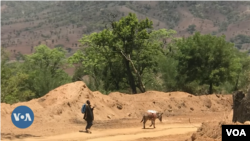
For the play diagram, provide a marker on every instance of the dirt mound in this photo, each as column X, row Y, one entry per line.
column 211, row 131
column 61, row 107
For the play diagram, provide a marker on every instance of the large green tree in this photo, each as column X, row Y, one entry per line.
column 123, row 55
column 35, row 76
column 242, row 78
column 13, row 81
column 45, row 68
column 207, row 59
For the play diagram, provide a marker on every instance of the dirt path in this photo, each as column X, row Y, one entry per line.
column 58, row 116
column 125, row 134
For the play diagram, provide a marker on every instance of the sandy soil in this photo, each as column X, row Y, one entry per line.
column 117, row 115
column 125, row 134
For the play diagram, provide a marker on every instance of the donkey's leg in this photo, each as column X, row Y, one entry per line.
column 154, row 123
column 144, row 122
column 151, row 123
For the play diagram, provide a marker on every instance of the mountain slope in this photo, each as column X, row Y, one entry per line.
column 28, row 24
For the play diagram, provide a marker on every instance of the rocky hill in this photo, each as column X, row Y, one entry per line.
column 28, row 24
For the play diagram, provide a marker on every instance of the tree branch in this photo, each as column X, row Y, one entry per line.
column 138, row 75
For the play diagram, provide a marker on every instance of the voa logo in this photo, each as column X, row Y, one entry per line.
column 236, row 132
column 22, row 117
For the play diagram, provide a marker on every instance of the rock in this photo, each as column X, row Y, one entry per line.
column 170, row 106
column 193, row 137
column 189, row 95
column 87, row 96
column 183, row 104
column 119, row 106
column 208, row 103
column 129, row 114
column 191, row 109
column 109, row 116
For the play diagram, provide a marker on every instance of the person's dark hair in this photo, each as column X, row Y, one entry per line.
column 88, row 102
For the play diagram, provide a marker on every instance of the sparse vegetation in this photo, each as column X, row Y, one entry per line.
column 64, row 17
column 240, row 39
column 191, row 28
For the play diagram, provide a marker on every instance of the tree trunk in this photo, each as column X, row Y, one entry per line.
column 241, row 107
column 130, row 77
column 237, row 82
column 211, row 88
column 141, row 86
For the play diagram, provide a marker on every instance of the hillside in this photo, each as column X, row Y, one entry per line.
column 25, row 25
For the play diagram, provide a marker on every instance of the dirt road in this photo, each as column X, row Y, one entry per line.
column 125, row 134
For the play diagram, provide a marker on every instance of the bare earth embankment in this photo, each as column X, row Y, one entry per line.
column 117, row 115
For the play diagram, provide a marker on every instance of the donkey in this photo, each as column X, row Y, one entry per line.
column 151, row 115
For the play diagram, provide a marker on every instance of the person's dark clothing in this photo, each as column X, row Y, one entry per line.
column 89, row 124
column 89, row 116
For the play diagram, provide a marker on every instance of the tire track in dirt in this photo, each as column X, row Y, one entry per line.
column 135, row 136
column 125, row 134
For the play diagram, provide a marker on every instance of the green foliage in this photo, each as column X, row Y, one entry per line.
column 191, row 28
column 242, row 79
column 14, row 86
column 13, row 82
column 24, row 9
column 40, row 72
column 168, row 69
column 128, row 57
column 124, row 56
column 207, row 59
column 45, row 68
column 223, row 26
column 240, row 39
column 4, row 57
column 5, row 72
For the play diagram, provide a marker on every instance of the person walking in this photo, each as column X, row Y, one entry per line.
column 89, row 116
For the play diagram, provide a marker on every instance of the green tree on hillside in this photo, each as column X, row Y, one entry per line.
column 123, row 55
column 240, row 39
column 207, row 59
column 191, row 28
